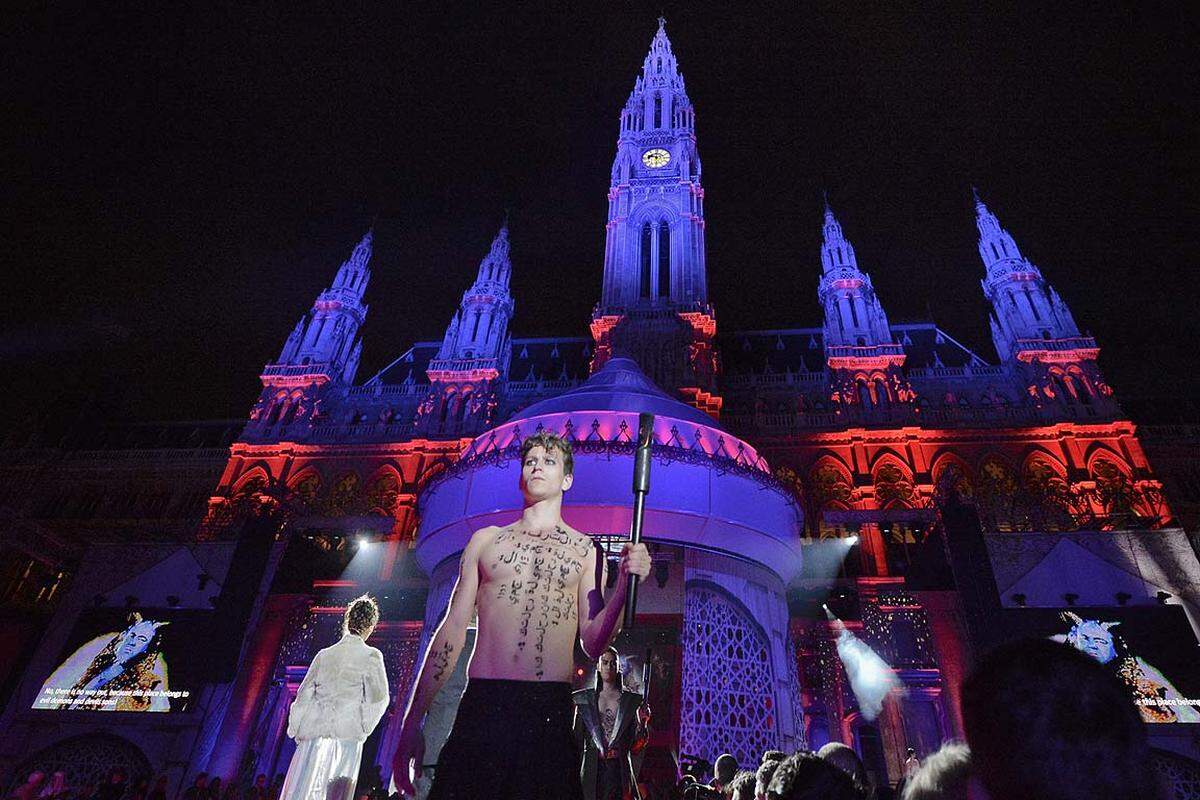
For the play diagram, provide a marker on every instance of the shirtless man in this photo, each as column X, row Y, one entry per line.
column 535, row 585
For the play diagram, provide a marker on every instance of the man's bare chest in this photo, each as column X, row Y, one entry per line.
column 529, row 560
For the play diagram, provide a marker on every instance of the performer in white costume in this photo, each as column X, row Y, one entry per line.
column 341, row 700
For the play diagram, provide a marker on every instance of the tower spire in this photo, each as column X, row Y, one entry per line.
column 475, row 350
column 654, row 252
column 858, row 339
column 1031, row 325
column 323, row 349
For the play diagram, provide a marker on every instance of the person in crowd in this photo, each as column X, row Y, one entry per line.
column 945, row 775
column 612, row 724
column 1047, row 722
column 258, row 790
column 31, row 787
column 56, row 788
column 741, row 787
column 339, row 703
column 766, row 771
column 845, row 759
column 723, row 772
column 198, row 790
column 804, row 776
column 159, row 790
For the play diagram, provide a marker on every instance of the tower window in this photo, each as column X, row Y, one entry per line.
column 658, row 110
column 853, row 310
column 644, row 283
column 1032, row 307
column 995, row 252
column 664, row 260
column 475, row 330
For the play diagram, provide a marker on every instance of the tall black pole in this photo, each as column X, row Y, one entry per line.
column 641, row 488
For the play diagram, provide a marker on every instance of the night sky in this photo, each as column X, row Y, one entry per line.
column 186, row 180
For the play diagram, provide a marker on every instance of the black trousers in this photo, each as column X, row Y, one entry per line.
column 610, row 778
column 511, row 740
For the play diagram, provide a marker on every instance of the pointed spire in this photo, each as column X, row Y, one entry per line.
column 836, row 251
column 995, row 243
column 496, row 266
column 362, row 251
column 660, row 65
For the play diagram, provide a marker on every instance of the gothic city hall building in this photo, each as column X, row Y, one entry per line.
column 847, row 472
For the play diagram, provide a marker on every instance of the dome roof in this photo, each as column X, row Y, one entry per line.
column 620, row 385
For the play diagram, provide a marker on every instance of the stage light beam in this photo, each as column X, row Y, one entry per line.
column 871, row 678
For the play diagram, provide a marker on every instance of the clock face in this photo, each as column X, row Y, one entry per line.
column 656, row 158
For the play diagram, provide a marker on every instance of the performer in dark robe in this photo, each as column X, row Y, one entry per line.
column 613, row 725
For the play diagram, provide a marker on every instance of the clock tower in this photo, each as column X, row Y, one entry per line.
column 654, row 303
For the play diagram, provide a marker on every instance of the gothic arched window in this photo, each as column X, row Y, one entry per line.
column 658, row 110
column 664, row 260
column 293, row 409
column 881, row 392
column 645, row 262
column 864, row 393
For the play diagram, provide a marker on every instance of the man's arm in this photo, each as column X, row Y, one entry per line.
column 600, row 618
column 447, row 641
column 438, row 663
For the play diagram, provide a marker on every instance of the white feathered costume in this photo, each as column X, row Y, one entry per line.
column 343, row 696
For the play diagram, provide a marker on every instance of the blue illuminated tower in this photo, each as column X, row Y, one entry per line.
column 1032, row 327
column 865, row 364
column 323, row 349
column 655, row 285
column 475, row 351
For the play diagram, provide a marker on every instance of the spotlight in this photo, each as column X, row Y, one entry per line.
column 1123, row 598
column 363, row 540
column 1070, row 597
column 1019, row 599
column 852, row 539
column 1163, row 597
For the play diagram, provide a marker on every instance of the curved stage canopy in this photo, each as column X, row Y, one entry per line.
column 708, row 489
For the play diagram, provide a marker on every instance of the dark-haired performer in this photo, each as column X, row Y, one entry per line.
column 614, row 725
column 536, row 585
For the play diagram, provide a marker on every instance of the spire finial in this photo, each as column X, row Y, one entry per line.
column 825, row 197
column 662, row 22
column 975, row 194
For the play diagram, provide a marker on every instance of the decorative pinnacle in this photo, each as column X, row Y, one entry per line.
column 662, row 22
column 825, row 197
